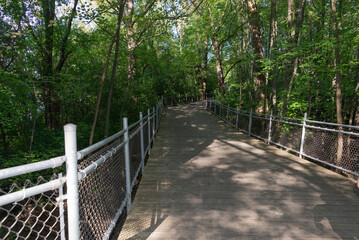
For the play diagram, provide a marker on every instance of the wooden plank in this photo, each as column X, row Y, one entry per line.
column 204, row 180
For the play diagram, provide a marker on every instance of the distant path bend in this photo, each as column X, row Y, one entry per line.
column 204, row 180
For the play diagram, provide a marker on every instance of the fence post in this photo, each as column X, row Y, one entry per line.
column 210, row 105
column 250, row 122
column 73, row 208
column 154, row 124
column 303, row 136
column 270, row 126
column 142, row 147
column 158, row 117
column 237, row 118
column 127, row 164
column 149, row 130
column 61, row 211
column 228, row 112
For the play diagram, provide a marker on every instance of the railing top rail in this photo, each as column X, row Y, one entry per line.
column 32, row 191
column 292, row 119
column 84, row 152
column 31, row 167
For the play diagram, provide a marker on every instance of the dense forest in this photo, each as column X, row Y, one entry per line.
column 93, row 62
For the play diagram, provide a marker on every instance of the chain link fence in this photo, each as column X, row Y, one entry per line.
column 35, row 217
column 333, row 145
column 105, row 174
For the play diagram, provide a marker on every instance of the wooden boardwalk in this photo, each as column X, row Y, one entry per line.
column 204, row 180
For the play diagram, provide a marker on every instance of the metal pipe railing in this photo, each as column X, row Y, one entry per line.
column 302, row 123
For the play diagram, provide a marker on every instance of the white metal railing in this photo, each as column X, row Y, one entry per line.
column 38, row 210
column 335, row 145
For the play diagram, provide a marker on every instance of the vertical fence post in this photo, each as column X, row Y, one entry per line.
column 142, row 145
column 73, row 208
column 158, row 117
column 149, row 130
column 210, row 105
column 127, row 164
column 250, row 122
column 270, row 126
column 303, row 136
column 61, row 211
column 228, row 112
column 237, row 118
column 154, row 124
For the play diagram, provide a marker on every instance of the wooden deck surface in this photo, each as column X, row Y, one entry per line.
column 204, row 180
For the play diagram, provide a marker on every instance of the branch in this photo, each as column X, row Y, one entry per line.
column 231, row 68
column 63, row 55
column 144, row 39
column 230, row 36
column 145, row 29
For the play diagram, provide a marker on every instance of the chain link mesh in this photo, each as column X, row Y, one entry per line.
column 260, row 127
column 243, row 122
column 338, row 149
column 135, row 151
column 101, row 192
column 145, row 135
column 286, row 134
column 36, row 217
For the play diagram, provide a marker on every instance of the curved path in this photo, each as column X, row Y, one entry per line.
column 204, row 180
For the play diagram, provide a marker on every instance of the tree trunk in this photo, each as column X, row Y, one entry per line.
column 295, row 23
column 103, row 77
column 48, row 11
column 338, row 99
column 204, row 67
column 131, row 42
column 113, row 73
column 257, row 46
column 219, row 67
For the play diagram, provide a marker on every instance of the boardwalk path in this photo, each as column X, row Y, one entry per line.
column 204, row 180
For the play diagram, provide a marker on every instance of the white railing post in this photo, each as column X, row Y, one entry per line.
column 61, row 210
column 303, row 136
column 142, row 146
column 154, row 124
column 220, row 110
column 237, row 118
column 127, row 164
column 186, row 99
column 149, row 130
column 158, row 117
column 250, row 122
column 73, row 209
column 228, row 112
column 270, row 126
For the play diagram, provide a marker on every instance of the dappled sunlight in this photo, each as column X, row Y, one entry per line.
column 204, row 180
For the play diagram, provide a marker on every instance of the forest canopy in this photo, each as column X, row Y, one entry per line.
column 93, row 62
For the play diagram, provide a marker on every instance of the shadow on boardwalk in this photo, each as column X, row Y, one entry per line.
column 204, row 180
